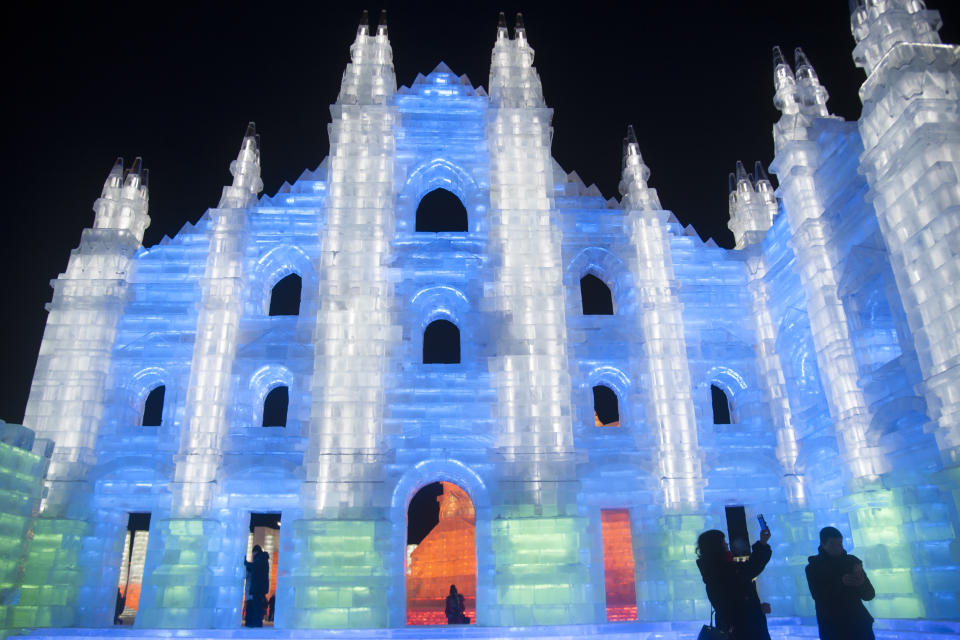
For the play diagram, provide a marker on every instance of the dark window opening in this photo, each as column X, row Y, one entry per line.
column 605, row 407
column 441, row 343
column 285, row 297
column 441, row 210
column 595, row 296
column 721, row 405
column 131, row 568
column 275, row 407
column 260, row 581
column 153, row 407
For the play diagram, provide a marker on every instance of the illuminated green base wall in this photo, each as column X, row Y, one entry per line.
column 669, row 586
column 783, row 583
column 186, row 575
column 541, row 572
column 338, row 576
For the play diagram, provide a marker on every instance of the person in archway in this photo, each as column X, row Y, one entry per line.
column 730, row 585
column 258, row 584
column 454, row 607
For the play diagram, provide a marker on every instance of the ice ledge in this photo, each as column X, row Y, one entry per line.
column 780, row 629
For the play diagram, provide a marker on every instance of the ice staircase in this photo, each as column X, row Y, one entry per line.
column 780, row 629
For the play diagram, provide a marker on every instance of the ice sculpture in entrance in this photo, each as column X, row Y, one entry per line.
column 577, row 444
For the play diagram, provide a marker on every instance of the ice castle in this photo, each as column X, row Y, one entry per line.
column 148, row 462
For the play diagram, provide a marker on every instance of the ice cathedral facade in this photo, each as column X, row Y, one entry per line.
column 831, row 330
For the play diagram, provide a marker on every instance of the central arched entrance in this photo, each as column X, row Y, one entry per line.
column 441, row 551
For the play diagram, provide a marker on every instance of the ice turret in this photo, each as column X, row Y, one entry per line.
column 124, row 201
column 370, row 77
column 785, row 87
column 811, row 94
column 879, row 26
column 752, row 205
column 514, row 81
column 633, row 183
column 246, row 173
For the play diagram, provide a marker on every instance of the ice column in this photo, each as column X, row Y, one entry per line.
column 664, row 591
column 339, row 572
column 910, row 127
column 183, row 592
column 801, row 102
column 530, row 370
column 752, row 207
column 661, row 324
column 911, row 136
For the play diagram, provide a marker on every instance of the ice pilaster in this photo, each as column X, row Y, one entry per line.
column 76, row 349
column 670, row 404
column 531, row 371
column 344, row 500
column 911, row 136
column 209, row 391
column 798, row 158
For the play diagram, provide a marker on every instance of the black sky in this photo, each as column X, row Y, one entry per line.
column 177, row 85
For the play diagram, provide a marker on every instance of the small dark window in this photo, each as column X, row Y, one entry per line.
column 285, row 297
column 721, row 405
column 595, row 296
column 605, row 407
column 440, row 210
column 275, row 407
column 153, row 407
column 441, row 343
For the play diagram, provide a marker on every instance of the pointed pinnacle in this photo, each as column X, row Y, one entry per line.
column 137, row 166
column 804, row 68
column 115, row 177
column 382, row 23
column 759, row 173
column 631, row 135
column 117, row 167
column 519, row 23
column 363, row 29
column 251, row 130
column 778, row 58
column 742, row 175
column 731, row 182
column 502, row 21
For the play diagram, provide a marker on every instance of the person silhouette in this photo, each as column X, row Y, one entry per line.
column 839, row 586
column 454, row 607
column 258, row 584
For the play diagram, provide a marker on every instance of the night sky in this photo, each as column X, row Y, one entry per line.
column 177, row 85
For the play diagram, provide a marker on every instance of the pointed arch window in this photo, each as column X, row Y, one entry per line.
column 441, row 210
column 606, row 407
column 285, row 296
column 441, row 343
column 721, row 405
column 153, row 407
column 595, row 296
column 275, row 407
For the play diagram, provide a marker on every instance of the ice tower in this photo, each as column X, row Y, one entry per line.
column 190, row 415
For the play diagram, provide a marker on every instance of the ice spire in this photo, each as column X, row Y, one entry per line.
column 751, row 214
column 246, row 173
column 880, row 25
column 369, row 78
column 633, row 183
column 784, row 85
column 124, row 201
column 812, row 95
column 514, row 81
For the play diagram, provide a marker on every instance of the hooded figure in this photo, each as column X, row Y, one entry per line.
column 839, row 586
column 258, row 584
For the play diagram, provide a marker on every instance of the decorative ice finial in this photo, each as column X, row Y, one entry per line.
column 502, row 33
column 764, row 187
column 805, row 71
column 115, row 177
column 785, row 87
column 364, row 28
column 519, row 31
column 382, row 23
column 732, row 183
column 133, row 177
column 251, row 139
column 633, row 183
column 742, row 175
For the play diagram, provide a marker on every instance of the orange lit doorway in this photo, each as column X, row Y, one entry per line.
column 618, row 565
column 265, row 533
column 131, row 568
column 441, row 551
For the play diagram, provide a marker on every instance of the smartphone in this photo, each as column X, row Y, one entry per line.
column 763, row 523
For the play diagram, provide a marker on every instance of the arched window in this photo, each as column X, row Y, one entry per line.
column 606, row 409
column 153, row 407
column 440, row 210
column 285, row 297
column 595, row 296
column 721, row 405
column 275, row 407
column 441, row 343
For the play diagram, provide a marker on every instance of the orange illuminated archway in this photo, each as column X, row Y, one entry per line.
column 447, row 555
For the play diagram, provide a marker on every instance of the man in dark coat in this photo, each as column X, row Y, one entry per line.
column 258, row 584
column 839, row 586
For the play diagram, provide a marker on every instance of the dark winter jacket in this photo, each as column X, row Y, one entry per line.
column 259, row 574
column 733, row 593
column 840, row 611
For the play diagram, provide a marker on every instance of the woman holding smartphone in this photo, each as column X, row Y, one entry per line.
column 730, row 585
